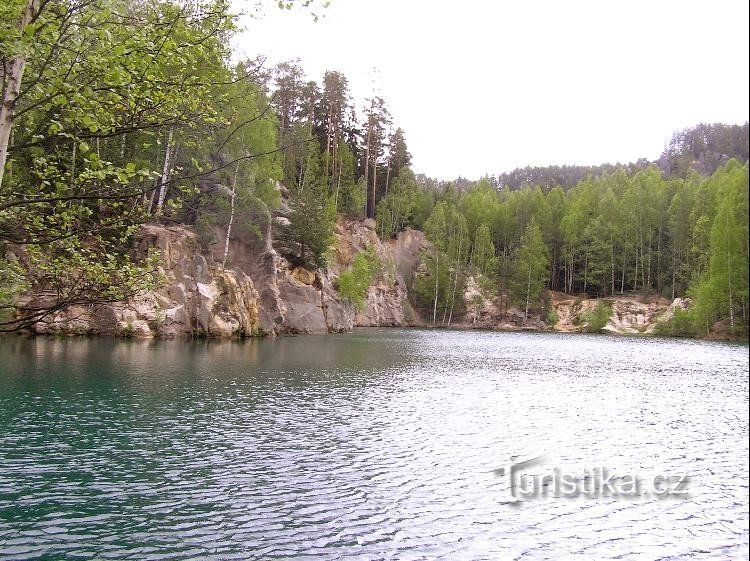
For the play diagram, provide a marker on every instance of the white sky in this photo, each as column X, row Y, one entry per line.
column 484, row 86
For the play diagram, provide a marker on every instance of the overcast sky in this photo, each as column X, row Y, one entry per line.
column 484, row 86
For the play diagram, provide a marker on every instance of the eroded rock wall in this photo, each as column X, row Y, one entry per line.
column 258, row 293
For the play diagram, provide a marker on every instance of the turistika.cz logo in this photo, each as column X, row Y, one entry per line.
column 595, row 482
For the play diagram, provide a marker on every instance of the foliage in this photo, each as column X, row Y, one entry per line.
column 681, row 324
column 103, row 85
column 130, row 112
column 311, row 226
column 432, row 287
column 595, row 320
column 530, row 266
column 549, row 314
column 354, row 282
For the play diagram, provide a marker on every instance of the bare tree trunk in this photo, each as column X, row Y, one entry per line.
column 13, row 69
column 231, row 217
column 437, row 276
column 165, row 173
column 387, row 177
column 612, row 255
column 658, row 261
column 585, row 272
column 455, row 281
column 647, row 280
column 338, row 187
column 328, row 143
column 729, row 278
column 367, row 161
column 528, row 295
column 335, row 163
column 73, row 164
column 374, row 184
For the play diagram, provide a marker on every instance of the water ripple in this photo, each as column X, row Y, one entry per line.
column 374, row 445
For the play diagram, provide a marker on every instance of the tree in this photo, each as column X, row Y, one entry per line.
column 399, row 157
column 483, row 251
column 531, row 266
column 378, row 121
column 90, row 89
column 723, row 291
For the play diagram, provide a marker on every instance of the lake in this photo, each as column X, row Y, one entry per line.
column 378, row 444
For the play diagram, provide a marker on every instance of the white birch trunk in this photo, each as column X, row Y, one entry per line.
column 13, row 69
column 165, row 173
column 231, row 217
column 437, row 276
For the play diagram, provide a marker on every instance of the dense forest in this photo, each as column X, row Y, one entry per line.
column 121, row 112
column 702, row 148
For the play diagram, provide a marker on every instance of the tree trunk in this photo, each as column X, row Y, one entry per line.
column 165, row 173
column 73, row 164
column 231, row 217
column 338, row 187
column 612, row 256
column 13, row 69
column 437, row 276
column 387, row 177
column 328, row 144
column 658, row 262
column 374, row 184
column 585, row 272
column 455, row 281
column 528, row 295
column 729, row 278
column 367, row 161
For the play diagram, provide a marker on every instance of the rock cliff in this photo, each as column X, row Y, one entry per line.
column 630, row 314
column 258, row 293
column 261, row 293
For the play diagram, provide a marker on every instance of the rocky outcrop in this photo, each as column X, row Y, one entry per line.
column 630, row 314
column 262, row 293
column 258, row 293
column 387, row 303
column 198, row 297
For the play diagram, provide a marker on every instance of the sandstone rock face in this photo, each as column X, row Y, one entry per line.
column 197, row 299
column 630, row 314
column 387, row 303
column 259, row 292
column 262, row 293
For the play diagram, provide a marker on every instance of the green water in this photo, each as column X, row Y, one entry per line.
column 378, row 444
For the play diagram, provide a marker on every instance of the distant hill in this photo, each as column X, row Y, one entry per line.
column 703, row 148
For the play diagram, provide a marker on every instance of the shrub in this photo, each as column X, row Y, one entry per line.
column 550, row 316
column 682, row 324
column 353, row 283
column 596, row 319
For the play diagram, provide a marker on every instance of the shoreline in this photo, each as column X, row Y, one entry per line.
column 456, row 327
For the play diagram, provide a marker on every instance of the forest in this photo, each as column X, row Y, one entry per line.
column 117, row 113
